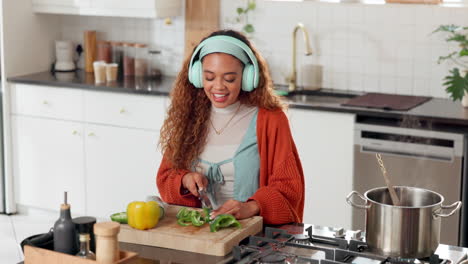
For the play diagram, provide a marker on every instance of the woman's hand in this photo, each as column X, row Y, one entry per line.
column 238, row 209
column 193, row 181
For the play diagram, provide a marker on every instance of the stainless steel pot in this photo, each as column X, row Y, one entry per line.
column 411, row 230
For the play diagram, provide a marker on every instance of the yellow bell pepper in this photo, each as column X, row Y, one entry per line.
column 143, row 215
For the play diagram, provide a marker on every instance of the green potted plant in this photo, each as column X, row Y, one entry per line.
column 456, row 82
column 243, row 16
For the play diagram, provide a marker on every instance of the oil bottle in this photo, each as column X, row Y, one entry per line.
column 64, row 230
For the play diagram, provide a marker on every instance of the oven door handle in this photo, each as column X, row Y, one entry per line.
column 359, row 206
column 404, row 153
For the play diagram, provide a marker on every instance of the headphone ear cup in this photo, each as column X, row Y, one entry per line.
column 248, row 78
column 196, row 77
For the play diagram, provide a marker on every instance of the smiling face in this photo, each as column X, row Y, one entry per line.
column 222, row 78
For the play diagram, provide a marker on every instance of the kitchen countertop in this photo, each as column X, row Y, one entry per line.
column 85, row 81
column 435, row 112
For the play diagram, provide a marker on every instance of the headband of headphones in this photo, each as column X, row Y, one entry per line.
column 228, row 45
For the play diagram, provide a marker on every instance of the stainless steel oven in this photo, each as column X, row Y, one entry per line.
column 413, row 157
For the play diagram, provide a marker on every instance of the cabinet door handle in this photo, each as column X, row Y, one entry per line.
column 91, row 134
column 122, row 110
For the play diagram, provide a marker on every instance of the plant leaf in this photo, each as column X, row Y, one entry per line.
column 457, row 38
column 442, row 58
column 456, row 84
column 463, row 52
column 447, row 28
column 240, row 10
column 252, row 5
column 249, row 28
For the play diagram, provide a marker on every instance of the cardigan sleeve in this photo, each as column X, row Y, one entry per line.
column 169, row 183
column 281, row 193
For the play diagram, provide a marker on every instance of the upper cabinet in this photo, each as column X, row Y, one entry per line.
column 122, row 8
column 71, row 7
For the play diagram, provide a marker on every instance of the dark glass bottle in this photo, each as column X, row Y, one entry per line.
column 84, row 225
column 64, row 231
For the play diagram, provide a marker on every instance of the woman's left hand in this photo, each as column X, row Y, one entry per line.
column 238, row 209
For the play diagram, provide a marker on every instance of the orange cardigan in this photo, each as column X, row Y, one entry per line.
column 281, row 185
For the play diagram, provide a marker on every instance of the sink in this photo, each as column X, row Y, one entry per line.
column 320, row 92
column 321, row 96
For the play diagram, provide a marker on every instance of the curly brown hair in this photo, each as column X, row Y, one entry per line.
column 184, row 132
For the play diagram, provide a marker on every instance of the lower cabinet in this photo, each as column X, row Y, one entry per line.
column 105, row 158
column 48, row 159
column 121, row 167
column 325, row 144
column 102, row 167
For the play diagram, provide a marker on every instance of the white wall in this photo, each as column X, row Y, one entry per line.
column 379, row 48
column 27, row 48
column 28, row 38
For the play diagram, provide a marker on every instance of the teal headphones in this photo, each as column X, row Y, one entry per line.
column 228, row 45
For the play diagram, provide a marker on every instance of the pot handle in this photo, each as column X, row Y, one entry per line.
column 439, row 213
column 360, row 206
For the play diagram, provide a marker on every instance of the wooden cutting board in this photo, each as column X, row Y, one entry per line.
column 169, row 234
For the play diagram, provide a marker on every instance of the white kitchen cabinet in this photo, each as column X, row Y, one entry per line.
column 325, row 144
column 125, row 110
column 124, row 8
column 140, row 8
column 48, row 159
column 72, row 7
column 49, row 102
column 121, row 167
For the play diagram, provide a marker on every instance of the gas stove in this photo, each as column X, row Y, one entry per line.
column 308, row 244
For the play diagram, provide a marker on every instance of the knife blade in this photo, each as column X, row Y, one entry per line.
column 205, row 199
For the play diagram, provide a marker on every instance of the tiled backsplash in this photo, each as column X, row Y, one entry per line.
column 380, row 48
column 154, row 32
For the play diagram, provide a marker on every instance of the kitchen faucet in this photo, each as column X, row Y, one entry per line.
column 293, row 77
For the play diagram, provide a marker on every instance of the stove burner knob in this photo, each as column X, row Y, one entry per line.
column 357, row 235
column 339, row 232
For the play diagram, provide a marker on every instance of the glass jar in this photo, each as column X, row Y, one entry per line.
column 104, row 52
column 129, row 59
column 141, row 60
column 117, row 57
column 155, row 64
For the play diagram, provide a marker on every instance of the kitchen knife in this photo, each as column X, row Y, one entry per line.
column 205, row 199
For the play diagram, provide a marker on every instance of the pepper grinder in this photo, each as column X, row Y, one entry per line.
column 64, row 230
column 107, row 245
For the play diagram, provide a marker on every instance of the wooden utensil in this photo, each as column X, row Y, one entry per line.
column 89, row 49
column 393, row 194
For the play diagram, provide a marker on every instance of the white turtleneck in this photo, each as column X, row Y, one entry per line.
column 222, row 147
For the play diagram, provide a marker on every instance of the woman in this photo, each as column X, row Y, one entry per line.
column 232, row 137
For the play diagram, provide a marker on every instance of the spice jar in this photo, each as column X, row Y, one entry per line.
column 107, row 245
column 141, row 60
column 104, row 52
column 117, row 56
column 129, row 59
column 155, row 63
